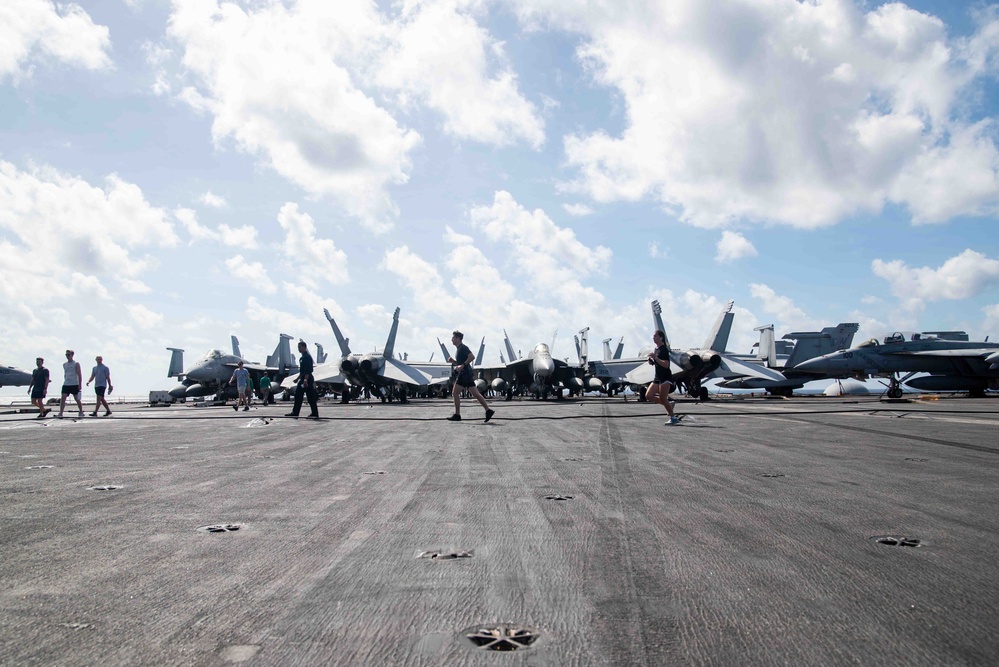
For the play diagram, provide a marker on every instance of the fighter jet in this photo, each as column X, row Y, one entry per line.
column 13, row 377
column 538, row 374
column 379, row 372
column 689, row 367
column 796, row 348
column 210, row 374
column 953, row 365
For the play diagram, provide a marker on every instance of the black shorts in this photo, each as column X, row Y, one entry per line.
column 668, row 381
column 70, row 389
column 37, row 394
column 100, row 390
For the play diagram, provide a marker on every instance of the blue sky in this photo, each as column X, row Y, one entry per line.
column 175, row 172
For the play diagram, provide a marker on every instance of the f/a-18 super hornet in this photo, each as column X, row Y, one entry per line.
column 689, row 367
column 380, row 373
column 14, row 377
column 952, row 361
column 787, row 354
column 538, row 374
column 210, row 374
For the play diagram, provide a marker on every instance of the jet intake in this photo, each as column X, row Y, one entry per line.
column 196, row 391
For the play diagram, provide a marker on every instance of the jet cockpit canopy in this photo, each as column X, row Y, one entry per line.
column 213, row 355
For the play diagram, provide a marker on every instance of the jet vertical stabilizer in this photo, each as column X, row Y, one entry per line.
column 320, row 354
column 768, row 347
column 285, row 360
column 607, row 351
column 811, row 344
column 482, row 352
column 176, row 368
column 235, row 347
column 583, row 346
column 657, row 319
column 511, row 356
column 389, row 350
column 443, row 349
column 340, row 340
column 718, row 338
column 620, row 347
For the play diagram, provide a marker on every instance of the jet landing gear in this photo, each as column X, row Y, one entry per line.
column 894, row 386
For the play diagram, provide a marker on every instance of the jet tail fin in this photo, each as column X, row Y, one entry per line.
column 509, row 347
column 482, row 352
column 176, row 368
column 657, row 319
column 811, row 344
column 320, row 354
column 607, row 351
column 583, row 346
column 620, row 348
column 235, row 347
column 768, row 347
column 443, row 349
column 389, row 350
column 718, row 338
column 340, row 340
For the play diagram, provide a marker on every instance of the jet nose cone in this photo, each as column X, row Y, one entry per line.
column 198, row 373
column 544, row 367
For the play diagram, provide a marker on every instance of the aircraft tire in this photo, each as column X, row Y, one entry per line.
column 702, row 394
column 895, row 392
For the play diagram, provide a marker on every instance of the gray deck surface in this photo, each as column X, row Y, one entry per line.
column 677, row 547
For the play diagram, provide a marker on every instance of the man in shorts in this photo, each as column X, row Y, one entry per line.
column 662, row 385
column 462, row 361
column 241, row 378
column 101, row 377
column 265, row 388
column 39, row 387
column 72, row 381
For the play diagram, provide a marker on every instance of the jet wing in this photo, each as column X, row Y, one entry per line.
column 967, row 353
column 732, row 368
column 398, row 371
column 322, row 373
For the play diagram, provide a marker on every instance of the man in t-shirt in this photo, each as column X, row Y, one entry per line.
column 241, row 378
column 462, row 361
column 306, row 384
column 39, row 387
column 72, row 381
column 101, row 377
column 265, row 388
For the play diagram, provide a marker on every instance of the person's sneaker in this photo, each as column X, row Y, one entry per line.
column 313, row 417
column 47, row 410
column 107, row 414
column 291, row 414
column 81, row 414
column 59, row 416
column 246, row 409
column 236, row 408
column 41, row 415
column 454, row 418
column 489, row 414
column 674, row 420
column 94, row 413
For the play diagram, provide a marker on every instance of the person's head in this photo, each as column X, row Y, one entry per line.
column 100, row 359
column 69, row 354
column 39, row 361
column 240, row 364
column 659, row 337
column 303, row 346
column 457, row 337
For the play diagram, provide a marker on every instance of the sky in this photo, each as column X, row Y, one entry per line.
column 176, row 172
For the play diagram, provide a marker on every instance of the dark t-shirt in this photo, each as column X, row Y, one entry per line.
column 663, row 374
column 462, row 354
column 305, row 365
column 39, row 379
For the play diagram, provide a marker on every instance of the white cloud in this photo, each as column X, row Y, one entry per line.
column 65, row 225
column 789, row 316
column 61, row 31
column 960, row 277
column 869, row 107
column 454, row 238
column 733, row 246
column 144, row 317
column 252, row 273
column 133, row 286
column 655, row 252
column 239, row 237
column 577, row 210
column 440, row 54
column 276, row 82
column 213, row 200
column 311, row 258
column 990, row 326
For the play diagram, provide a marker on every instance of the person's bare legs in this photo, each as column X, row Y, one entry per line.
column 474, row 391
column 655, row 393
column 456, row 393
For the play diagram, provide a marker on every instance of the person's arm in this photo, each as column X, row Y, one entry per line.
column 110, row 387
column 79, row 374
column 32, row 383
column 92, row 373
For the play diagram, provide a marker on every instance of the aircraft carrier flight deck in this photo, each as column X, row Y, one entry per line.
column 802, row 531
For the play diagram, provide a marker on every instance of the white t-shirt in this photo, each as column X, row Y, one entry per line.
column 71, row 369
column 101, row 373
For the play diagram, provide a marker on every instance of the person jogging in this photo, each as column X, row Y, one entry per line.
column 462, row 361
column 662, row 385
